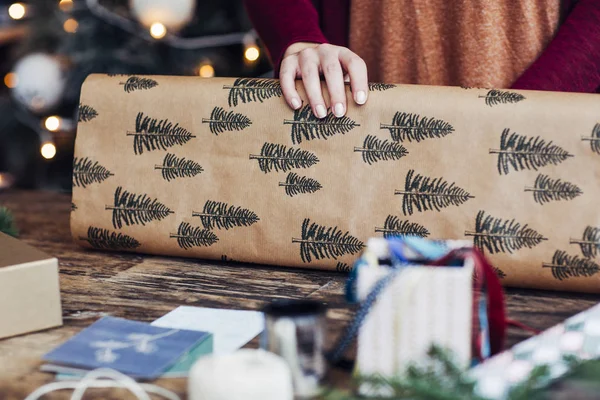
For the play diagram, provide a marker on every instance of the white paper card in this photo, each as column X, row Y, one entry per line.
column 231, row 329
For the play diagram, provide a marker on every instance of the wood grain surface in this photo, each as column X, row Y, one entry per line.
column 144, row 288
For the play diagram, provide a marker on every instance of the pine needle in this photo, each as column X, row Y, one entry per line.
column 7, row 222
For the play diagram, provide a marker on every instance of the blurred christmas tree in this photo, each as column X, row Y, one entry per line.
column 48, row 47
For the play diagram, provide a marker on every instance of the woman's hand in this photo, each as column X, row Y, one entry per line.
column 308, row 61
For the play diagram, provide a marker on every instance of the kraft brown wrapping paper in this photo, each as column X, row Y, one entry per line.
column 517, row 172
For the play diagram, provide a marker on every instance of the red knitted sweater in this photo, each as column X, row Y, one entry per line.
column 571, row 63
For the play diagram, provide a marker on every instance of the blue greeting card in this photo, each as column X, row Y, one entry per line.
column 134, row 348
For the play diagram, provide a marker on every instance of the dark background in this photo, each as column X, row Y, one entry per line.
column 97, row 46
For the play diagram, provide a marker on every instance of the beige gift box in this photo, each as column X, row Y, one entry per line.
column 29, row 289
column 223, row 169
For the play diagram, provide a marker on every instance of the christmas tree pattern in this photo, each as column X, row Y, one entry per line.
column 305, row 126
column 325, row 242
column 394, row 226
column 546, row 190
column 594, row 139
column 374, row 150
column 246, row 90
column 424, row 193
column 522, row 152
column 589, row 243
column 499, row 272
column 134, row 209
column 498, row 235
column 73, row 207
column 342, row 267
column 495, row 97
column 565, row 266
column 278, row 157
column 221, row 121
column 295, row 184
column 174, row 167
column 412, row 127
column 86, row 172
column 151, row 134
column 137, row 83
column 104, row 239
column 86, row 113
column 221, row 215
column 189, row 236
column 380, row 87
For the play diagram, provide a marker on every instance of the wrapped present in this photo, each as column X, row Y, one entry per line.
column 419, row 294
column 577, row 338
column 224, row 169
column 29, row 289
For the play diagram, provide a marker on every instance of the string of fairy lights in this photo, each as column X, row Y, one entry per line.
column 155, row 21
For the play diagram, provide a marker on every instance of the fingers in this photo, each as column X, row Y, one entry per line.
column 334, row 76
column 287, row 78
column 308, row 60
column 357, row 70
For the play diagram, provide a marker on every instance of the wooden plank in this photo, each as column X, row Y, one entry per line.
column 144, row 288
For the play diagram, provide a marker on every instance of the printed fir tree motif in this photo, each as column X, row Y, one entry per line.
column 594, row 139
column 325, row 242
column 137, row 83
column 546, row 190
column 86, row 113
column 380, row 87
column 221, row 121
column 589, row 243
column 221, row 215
column 278, row 157
column 73, row 207
column 498, row 235
column 374, row 150
column 104, row 239
column 499, row 272
column 424, row 193
column 522, row 152
column 151, row 134
column 412, row 127
column 136, row 209
column 246, row 90
column 394, row 226
column 495, row 97
column 342, row 267
column 86, row 172
column 305, row 126
column 189, row 236
column 565, row 266
column 295, row 184
column 174, row 167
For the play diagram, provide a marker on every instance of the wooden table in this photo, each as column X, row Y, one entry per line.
column 144, row 288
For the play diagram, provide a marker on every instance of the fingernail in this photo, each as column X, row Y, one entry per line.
column 338, row 110
column 296, row 103
column 321, row 111
column 361, row 97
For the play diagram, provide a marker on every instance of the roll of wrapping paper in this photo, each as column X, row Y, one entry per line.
column 224, row 169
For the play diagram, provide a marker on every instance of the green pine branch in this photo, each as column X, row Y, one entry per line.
column 7, row 222
column 439, row 379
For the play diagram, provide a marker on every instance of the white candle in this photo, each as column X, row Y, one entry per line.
column 244, row 375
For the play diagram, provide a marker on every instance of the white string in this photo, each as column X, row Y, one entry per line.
column 126, row 24
column 104, row 378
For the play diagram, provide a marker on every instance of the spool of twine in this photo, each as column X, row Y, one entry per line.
column 244, row 375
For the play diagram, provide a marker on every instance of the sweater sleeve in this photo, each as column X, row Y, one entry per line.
column 571, row 62
column 281, row 23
